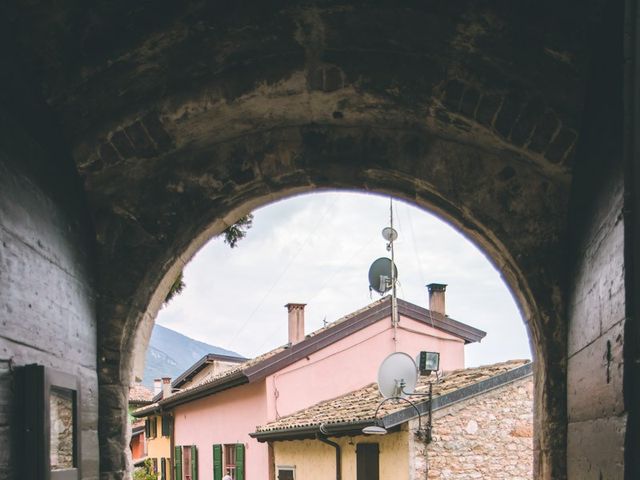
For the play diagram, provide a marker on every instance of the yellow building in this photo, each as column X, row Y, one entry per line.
column 158, row 430
column 480, row 427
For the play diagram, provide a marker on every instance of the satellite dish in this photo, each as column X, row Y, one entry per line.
column 389, row 234
column 380, row 275
column 397, row 372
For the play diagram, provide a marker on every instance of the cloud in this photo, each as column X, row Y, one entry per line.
column 316, row 249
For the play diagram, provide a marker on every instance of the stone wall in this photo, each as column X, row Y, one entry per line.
column 596, row 304
column 47, row 313
column 487, row 437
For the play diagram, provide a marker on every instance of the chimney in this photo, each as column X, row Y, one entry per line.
column 436, row 297
column 296, row 322
column 157, row 386
column 166, row 387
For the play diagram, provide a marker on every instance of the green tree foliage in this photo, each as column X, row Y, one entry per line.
column 145, row 472
column 232, row 236
column 238, row 230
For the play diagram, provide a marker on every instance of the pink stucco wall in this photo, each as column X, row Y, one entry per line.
column 229, row 416
column 353, row 363
column 226, row 417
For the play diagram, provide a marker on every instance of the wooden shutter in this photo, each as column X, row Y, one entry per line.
column 194, row 463
column 367, row 461
column 154, row 427
column 166, row 425
column 163, row 468
column 239, row 461
column 217, row 462
column 147, row 428
column 177, row 463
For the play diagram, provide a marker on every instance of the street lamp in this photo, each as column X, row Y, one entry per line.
column 379, row 429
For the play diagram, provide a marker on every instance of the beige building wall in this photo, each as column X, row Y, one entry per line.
column 314, row 460
column 158, row 447
column 488, row 437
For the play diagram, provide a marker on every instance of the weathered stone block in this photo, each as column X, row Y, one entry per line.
column 595, row 449
column 595, row 378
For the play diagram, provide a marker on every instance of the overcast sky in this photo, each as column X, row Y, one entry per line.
column 316, row 249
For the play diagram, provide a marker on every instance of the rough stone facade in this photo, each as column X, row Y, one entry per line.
column 487, row 437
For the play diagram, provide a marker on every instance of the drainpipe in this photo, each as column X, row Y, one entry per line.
column 338, row 453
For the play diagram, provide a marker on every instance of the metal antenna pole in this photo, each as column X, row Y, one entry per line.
column 394, row 299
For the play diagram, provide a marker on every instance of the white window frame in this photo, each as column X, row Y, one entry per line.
column 289, row 468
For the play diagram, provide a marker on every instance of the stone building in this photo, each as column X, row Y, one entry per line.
column 131, row 133
column 481, row 429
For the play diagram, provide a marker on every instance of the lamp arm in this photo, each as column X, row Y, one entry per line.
column 375, row 415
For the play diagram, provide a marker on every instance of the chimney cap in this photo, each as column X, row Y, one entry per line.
column 437, row 287
column 166, row 379
column 290, row 306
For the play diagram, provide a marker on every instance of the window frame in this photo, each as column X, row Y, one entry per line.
column 285, row 468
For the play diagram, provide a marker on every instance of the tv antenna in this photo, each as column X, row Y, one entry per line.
column 383, row 273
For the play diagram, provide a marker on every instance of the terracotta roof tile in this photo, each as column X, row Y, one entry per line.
column 361, row 404
column 140, row 394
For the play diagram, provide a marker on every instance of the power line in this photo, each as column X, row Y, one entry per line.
column 291, row 260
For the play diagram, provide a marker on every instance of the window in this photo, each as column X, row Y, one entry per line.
column 286, row 473
column 151, row 427
column 228, row 460
column 167, row 421
column 367, row 461
column 185, row 462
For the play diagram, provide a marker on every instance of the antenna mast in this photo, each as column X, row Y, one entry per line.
column 394, row 298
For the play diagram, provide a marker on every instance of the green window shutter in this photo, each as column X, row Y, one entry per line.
column 166, row 425
column 147, row 428
column 194, row 463
column 217, row 462
column 177, row 463
column 239, row 461
column 163, row 468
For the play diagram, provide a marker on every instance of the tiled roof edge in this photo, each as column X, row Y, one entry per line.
column 203, row 362
column 458, row 395
column 397, row 418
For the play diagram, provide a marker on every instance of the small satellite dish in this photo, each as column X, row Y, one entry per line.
column 397, row 372
column 389, row 234
column 380, row 275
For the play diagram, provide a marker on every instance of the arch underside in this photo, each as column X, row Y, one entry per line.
column 197, row 116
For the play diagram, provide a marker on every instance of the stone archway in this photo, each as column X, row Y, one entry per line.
column 434, row 173
column 181, row 117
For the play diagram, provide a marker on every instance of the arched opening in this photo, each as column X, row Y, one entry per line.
column 240, row 317
column 457, row 192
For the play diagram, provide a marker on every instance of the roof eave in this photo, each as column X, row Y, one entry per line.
column 312, row 431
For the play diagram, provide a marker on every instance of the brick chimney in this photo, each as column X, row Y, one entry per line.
column 157, row 386
column 436, row 297
column 296, row 322
column 166, row 387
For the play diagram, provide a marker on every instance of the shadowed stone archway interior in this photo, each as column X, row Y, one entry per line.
column 181, row 117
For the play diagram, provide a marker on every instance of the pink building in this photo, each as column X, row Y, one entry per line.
column 214, row 415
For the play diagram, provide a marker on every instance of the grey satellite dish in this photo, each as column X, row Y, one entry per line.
column 397, row 373
column 380, row 275
column 389, row 234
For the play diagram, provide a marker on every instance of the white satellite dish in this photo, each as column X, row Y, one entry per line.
column 397, row 373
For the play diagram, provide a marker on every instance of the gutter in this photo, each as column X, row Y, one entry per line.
column 338, row 453
column 194, row 394
column 312, row 431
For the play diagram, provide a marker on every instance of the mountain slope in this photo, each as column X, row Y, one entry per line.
column 170, row 353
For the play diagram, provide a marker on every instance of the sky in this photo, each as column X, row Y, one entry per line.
column 317, row 249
